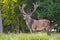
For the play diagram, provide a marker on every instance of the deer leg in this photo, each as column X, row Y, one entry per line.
column 33, row 28
column 30, row 29
column 47, row 30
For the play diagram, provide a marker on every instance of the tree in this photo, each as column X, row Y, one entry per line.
column 1, row 27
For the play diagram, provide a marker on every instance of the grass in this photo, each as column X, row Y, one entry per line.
column 24, row 36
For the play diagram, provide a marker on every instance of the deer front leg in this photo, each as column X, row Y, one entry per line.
column 30, row 29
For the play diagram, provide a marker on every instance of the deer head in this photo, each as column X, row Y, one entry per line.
column 26, row 15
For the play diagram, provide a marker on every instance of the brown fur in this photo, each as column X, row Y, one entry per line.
column 41, row 24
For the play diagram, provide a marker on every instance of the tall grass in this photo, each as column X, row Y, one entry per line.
column 24, row 36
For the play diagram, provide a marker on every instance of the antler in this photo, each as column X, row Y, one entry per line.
column 22, row 8
column 35, row 7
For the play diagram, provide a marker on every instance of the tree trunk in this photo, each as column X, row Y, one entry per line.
column 1, row 27
column 17, row 24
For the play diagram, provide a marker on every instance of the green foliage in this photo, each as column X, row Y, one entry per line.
column 8, row 14
column 48, row 9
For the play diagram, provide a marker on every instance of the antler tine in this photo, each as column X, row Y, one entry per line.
column 22, row 8
column 35, row 7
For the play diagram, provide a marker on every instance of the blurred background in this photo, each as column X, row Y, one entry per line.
column 12, row 18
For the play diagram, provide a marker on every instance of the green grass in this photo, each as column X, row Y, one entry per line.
column 24, row 36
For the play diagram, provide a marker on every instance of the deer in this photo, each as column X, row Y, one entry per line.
column 33, row 24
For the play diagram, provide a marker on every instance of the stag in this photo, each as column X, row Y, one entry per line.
column 32, row 24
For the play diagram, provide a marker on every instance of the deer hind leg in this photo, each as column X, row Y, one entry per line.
column 47, row 30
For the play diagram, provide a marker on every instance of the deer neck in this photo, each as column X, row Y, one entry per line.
column 29, row 22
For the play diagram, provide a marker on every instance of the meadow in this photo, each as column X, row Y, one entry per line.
column 28, row 36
